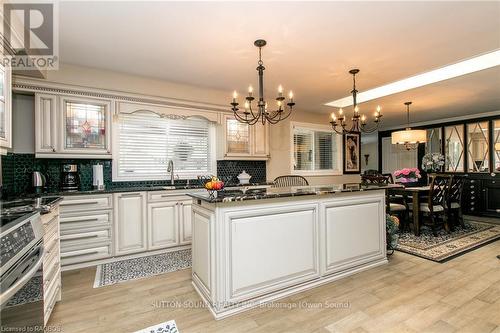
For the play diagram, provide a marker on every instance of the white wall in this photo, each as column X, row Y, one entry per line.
column 281, row 158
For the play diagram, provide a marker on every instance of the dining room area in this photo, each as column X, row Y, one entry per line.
column 448, row 201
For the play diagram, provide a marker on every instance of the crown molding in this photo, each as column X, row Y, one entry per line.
column 33, row 85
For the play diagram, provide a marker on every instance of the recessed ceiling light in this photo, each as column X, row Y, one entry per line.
column 468, row 66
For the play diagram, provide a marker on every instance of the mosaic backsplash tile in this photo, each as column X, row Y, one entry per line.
column 231, row 169
column 17, row 171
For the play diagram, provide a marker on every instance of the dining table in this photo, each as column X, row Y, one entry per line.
column 417, row 194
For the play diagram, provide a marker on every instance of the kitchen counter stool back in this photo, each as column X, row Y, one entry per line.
column 290, row 180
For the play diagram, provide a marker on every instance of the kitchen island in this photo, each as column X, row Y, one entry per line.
column 261, row 245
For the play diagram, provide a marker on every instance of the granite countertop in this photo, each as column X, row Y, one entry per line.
column 119, row 189
column 283, row 192
column 42, row 204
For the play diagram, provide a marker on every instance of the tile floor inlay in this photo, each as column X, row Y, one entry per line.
column 137, row 268
column 166, row 327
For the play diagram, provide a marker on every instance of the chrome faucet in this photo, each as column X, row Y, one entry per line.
column 170, row 168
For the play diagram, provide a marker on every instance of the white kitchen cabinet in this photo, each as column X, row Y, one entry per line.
column 86, row 223
column 185, row 221
column 162, row 224
column 86, row 125
column 5, row 109
column 130, row 222
column 260, row 136
column 46, row 124
column 72, row 127
column 243, row 141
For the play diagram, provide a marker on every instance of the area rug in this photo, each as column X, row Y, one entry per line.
column 448, row 245
column 137, row 268
column 166, row 327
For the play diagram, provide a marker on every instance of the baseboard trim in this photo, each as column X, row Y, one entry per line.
column 279, row 294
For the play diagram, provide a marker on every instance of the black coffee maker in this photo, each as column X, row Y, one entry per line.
column 70, row 179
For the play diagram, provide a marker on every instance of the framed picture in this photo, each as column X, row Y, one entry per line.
column 352, row 153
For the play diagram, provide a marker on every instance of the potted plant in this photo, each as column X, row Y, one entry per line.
column 432, row 162
column 407, row 176
column 392, row 229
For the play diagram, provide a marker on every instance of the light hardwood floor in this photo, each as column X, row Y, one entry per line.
column 409, row 294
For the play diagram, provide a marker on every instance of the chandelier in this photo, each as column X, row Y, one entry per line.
column 250, row 116
column 409, row 138
column 358, row 121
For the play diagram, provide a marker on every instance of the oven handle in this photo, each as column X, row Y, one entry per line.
column 22, row 281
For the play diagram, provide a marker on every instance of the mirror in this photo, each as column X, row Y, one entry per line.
column 496, row 144
column 454, row 148
column 477, row 147
column 433, row 144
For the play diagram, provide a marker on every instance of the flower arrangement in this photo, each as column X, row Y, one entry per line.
column 392, row 228
column 432, row 162
column 407, row 175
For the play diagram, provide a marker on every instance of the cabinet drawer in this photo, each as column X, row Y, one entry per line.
column 72, row 221
column 74, row 239
column 492, row 183
column 51, row 274
column 155, row 196
column 86, row 254
column 52, row 297
column 86, row 202
column 50, row 243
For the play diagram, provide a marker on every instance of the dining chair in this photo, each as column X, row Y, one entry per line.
column 435, row 207
column 454, row 200
column 290, row 180
column 396, row 204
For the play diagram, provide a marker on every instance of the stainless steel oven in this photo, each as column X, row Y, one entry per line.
column 21, row 282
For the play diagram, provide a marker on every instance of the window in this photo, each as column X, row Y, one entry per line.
column 316, row 150
column 145, row 143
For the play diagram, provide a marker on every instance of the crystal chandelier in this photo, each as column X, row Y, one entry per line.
column 250, row 116
column 358, row 121
column 409, row 138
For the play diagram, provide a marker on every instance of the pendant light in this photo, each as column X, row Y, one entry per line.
column 409, row 138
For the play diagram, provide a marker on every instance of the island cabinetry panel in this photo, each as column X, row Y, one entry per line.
column 203, row 252
column 353, row 233
column 246, row 253
column 264, row 252
column 185, row 221
column 130, row 222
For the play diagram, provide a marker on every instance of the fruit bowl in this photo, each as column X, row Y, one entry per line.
column 213, row 186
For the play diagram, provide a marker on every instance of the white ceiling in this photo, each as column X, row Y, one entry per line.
column 311, row 46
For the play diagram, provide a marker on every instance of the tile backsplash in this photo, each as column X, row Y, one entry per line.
column 231, row 169
column 17, row 171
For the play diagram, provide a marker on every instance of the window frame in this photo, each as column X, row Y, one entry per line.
column 316, row 128
column 115, row 175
